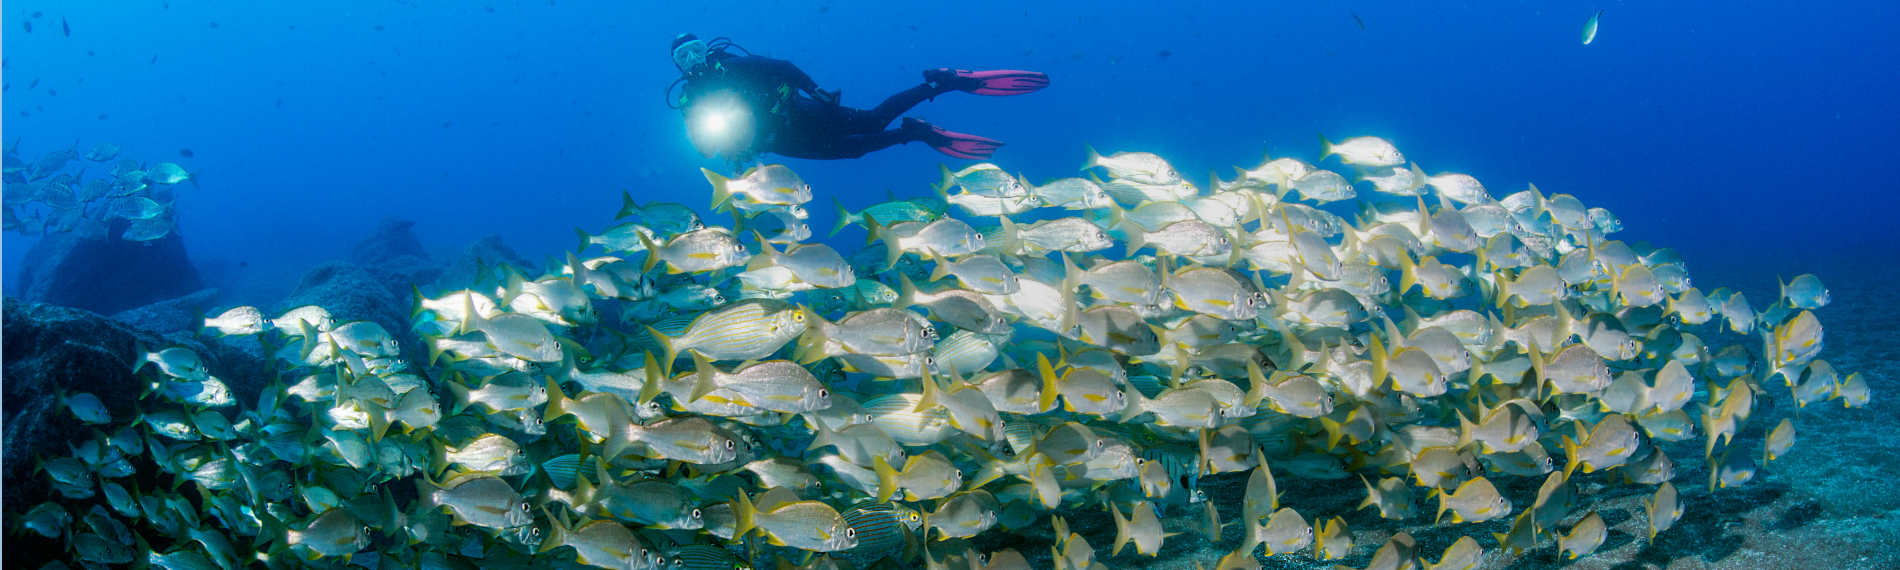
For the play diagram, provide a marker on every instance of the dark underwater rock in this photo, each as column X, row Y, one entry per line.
column 392, row 239
column 395, row 257
column 50, row 348
column 481, row 259
column 181, row 315
column 106, row 275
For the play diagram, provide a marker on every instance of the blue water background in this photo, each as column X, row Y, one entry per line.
column 1757, row 138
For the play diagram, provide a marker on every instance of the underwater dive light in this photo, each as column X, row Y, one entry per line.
column 719, row 122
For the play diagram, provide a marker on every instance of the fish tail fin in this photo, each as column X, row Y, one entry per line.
column 426, row 489
column 1570, row 456
column 651, row 388
column 814, row 344
column 653, row 252
column 941, row 267
column 1012, row 238
column 458, row 395
column 1071, row 311
column 1335, row 431
column 1325, row 147
column 1122, row 534
column 721, row 191
column 1137, row 238
column 706, row 377
column 627, row 206
column 1380, row 365
column 1117, row 215
column 1257, row 386
column 991, row 470
column 945, row 182
column 873, row 231
column 933, row 394
column 886, row 478
column 1503, row 296
column 668, row 345
column 378, row 420
column 906, row 292
column 1094, row 159
column 1071, row 274
column 1465, row 429
column 892, row 253
column 1043, row 479
column 745, row 514
column 1371, row 499
column 1047, row 399
column 822, row 436
column 1203, row 438
column 557, row 402
column 415, row 297
column 1408, row 273
column 438, row 459
column 845, row 217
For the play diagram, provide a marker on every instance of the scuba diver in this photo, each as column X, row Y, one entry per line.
column 742, row 104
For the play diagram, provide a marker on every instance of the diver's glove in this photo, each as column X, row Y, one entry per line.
column 828, row 97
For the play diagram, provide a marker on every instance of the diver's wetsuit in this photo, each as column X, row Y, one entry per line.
column 795, row 124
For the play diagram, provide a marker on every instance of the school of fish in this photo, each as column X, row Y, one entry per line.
column 129, row 199
column 1002, row 356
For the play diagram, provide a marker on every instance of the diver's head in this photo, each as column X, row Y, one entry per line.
column 689, row 54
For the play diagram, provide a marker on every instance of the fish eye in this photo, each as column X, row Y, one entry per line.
column 850, row 532
column 823, row 393
column 696, row 514
column 729, row 444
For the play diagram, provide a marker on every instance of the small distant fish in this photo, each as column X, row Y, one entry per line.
column 65, row 28
column 1356, row 19
column 1590, row 28
column 185, row 152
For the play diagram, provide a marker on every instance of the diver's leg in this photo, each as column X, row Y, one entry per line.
column 870, row 121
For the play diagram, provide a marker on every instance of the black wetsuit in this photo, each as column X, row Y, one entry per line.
column 791, row 122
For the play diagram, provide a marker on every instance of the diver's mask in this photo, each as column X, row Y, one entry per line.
column 690, row 55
